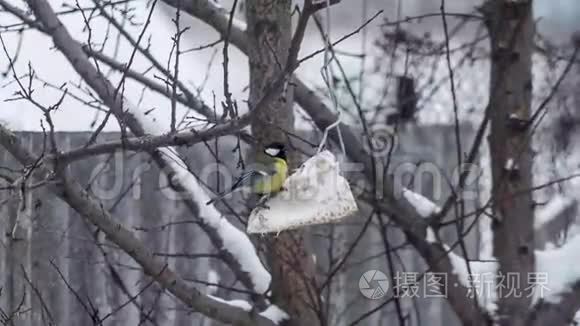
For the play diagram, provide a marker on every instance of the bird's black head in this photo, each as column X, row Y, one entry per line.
column 276, row 149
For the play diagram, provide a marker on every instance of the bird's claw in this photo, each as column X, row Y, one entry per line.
column 263, row 205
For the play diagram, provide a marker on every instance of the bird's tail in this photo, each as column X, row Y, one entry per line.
column 223, row 194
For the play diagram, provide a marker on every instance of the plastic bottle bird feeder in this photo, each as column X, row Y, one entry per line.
column 315, row 194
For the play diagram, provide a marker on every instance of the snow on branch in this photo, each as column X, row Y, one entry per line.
column 238, row 303
column 234, row 240
column 214, row 7
column 316, row 193
column 560, row 271
column 273, row 312
column 213, row 279
column 479, row 278
column 424, row 206
column 552, row 210
column 481, row 282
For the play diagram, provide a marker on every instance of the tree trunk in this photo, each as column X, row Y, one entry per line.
column 269, row 34
column 511, row 30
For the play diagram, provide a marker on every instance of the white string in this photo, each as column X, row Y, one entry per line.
column 329, row 82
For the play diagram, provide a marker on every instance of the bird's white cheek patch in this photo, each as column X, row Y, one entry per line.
column 315, row 194
column 272, row 151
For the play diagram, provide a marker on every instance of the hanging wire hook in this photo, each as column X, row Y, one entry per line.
column 329, row 82
column 335, row 124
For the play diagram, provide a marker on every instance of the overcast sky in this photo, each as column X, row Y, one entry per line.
column 559, row 20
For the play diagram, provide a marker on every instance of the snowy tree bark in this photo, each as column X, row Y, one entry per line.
column 269, row 42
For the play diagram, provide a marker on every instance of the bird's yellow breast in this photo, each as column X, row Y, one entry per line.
column 275, row 182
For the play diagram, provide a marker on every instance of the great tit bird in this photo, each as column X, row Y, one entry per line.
column 266, row 177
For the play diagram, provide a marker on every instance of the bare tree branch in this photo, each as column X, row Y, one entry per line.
column 148, row 143
column 82, row 202
column 245, row 266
